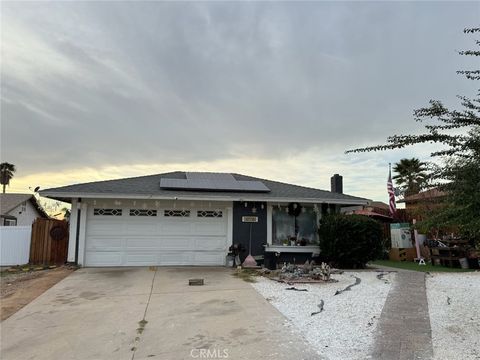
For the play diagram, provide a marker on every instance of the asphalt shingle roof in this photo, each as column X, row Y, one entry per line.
column 8, row 202
column 150, row 185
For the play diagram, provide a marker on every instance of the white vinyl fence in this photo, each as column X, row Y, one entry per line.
column 14, row 245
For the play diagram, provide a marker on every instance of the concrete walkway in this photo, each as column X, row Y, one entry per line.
column 404, row 331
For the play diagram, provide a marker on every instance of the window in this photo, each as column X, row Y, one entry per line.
column 209, row 213
column 107, row 212
column 143, row 212
column 176, row 213
column 283, row 226
column 287, row 228
column 10, row 222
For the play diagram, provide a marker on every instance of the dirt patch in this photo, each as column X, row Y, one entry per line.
column 19, row 289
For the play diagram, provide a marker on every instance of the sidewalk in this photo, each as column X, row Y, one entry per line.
column 404, row 331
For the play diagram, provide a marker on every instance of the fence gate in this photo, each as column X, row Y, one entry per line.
column 49, row 243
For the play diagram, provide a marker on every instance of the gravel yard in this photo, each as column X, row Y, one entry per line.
column 454, row 306
column 346, row 326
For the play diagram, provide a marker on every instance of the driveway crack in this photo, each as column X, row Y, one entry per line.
column 142, row 323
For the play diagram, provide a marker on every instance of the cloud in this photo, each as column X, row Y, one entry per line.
column 122, row 85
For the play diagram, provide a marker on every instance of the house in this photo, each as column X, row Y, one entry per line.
column 423, row 203
column 192, row 218
column 19, row 210
column 375, row 209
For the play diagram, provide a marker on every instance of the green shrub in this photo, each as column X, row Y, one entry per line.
column 350, row 241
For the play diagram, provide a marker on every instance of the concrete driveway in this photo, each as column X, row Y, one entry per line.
column 139, row 313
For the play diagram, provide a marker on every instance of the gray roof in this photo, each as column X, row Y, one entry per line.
column 8, row 202
column 149, row 187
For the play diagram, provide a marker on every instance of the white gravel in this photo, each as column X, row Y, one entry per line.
column 345, row 328
column 455, row 327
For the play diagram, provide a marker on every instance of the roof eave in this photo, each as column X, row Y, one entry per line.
column 63, row 196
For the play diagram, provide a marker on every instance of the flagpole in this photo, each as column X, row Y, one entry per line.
column 390, row 174
column 391, row 193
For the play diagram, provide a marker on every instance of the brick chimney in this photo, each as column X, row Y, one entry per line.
column 336, row 184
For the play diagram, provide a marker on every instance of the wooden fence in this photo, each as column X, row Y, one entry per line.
column 49, row 244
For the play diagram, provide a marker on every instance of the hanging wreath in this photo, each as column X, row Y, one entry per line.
column 58, row 233
column 294, row 209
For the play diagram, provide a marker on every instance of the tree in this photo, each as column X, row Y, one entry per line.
column 6, row 174
column 66, row 213
column 411, row 175
column 459, row 171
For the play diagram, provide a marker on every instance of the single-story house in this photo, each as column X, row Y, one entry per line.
column 375, row 209
column 19, row 210
column 192, row 218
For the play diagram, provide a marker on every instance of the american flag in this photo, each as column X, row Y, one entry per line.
column 391, row 193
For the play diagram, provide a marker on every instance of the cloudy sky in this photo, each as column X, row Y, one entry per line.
column 101, row 90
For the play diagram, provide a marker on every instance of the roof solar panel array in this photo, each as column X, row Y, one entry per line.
column 209, row 176
column 214, row 184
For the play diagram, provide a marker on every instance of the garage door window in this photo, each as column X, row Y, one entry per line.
column 143, row 212
column 176, row 213
column 107, row 212
column 209, row 214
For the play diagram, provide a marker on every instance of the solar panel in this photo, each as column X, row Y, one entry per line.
column 216, row 184
column 209, row 176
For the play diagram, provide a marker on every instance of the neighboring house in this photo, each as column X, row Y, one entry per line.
column 19, row 210
column 192, row 218
column 374, row 209
column 423, row 203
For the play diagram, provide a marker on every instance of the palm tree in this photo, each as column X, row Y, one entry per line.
column 411, row 175
column 6, row 174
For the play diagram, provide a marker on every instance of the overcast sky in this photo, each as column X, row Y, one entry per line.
column 100, row 90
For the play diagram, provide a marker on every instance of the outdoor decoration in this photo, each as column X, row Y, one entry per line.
column 306, row 273
column 294, row 209
column 235, row 250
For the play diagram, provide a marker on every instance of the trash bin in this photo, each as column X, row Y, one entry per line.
column 270, row 261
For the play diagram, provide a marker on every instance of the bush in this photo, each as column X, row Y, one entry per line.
column 350, row 241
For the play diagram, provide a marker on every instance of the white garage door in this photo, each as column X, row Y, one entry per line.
column 139, row 237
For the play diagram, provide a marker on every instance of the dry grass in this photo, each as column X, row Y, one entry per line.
column 247, row 275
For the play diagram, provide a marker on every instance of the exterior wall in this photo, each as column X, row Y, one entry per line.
column 25, row 215
column 237, row 231
column 241, row 230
